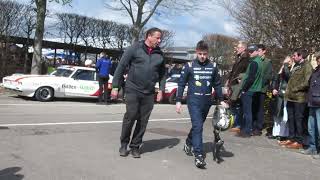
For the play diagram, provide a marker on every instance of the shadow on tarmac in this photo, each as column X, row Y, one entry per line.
column 78, row 99
column 208, row 148
column 157, row 144
column 10, row 174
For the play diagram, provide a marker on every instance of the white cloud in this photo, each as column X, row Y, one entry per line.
column 187, row 38
column 230, row 28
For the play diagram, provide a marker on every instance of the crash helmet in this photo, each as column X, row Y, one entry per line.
column 222, row 118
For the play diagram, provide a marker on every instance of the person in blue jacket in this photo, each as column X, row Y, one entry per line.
column 201, row 76
column 103, row 67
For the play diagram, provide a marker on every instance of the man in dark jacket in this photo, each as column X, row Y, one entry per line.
column 314, row 112
column 234, row 83
column 146, row 66
column 103, row 67
column 295, row 94
column 252, row 83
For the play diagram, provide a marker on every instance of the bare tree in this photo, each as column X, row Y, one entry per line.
column 221, row 49
column 10, row 17
column 10, row 21
column 167, row 38
column 140, row 11
column 121, row 36
column 93, row 32
column 28, row 25
column 287, row 24
column 88, row 31
column 71, row 26
column 41, row 6
column 105, row 31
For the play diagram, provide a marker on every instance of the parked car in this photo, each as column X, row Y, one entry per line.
column 66, row 81
column 171, row 90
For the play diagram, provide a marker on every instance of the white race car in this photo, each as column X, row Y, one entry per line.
column 171, row 89
column 171, row 86
column 66, row 81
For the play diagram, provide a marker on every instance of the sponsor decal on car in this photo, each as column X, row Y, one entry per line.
column 86, row 88
column 68, row 86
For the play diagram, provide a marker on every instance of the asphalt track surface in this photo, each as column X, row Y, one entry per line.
column 79, row 140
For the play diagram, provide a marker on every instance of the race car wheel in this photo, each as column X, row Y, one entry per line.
column 172, row 98
column 44, row 94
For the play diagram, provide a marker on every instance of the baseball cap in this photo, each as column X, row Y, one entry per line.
column 253, row 47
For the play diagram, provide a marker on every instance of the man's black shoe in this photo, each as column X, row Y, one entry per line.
column 135, row 152
column 272, row 137
column 199, row 162
column 243, row 135
column 123, row 151
column 256, row 133
column 188, row 150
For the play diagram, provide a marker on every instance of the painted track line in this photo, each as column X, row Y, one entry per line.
column 76, row 104
column 89, row 122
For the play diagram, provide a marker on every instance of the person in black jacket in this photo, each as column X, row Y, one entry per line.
column 314, row 112
column 146, row 67
column 234, row 83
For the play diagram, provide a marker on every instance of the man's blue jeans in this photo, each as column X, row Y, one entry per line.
column 258, row 111
column 314, row 127
column 246, row 100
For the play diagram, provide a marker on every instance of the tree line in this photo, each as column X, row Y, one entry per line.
column 21, row 20
column 283, row 25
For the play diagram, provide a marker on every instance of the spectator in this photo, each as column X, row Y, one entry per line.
column 234, row 83
column 314, row 112
column 252, row 83
column 260, row 95
column 88, row 63
column 296, row 91
column 279, row 106
column 176, row 70
column 103, row 66
column 114, row 66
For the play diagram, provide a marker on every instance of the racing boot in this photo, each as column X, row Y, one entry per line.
column 199, row 161
column 188, row 150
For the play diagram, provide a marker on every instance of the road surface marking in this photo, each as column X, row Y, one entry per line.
column 88, row 122
column 75, row 104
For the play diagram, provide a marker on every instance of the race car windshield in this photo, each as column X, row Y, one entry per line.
column 62, row 72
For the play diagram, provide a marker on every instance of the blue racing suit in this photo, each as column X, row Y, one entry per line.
column 201, row 77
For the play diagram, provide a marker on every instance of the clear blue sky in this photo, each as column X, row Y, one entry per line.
column 188, row 28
